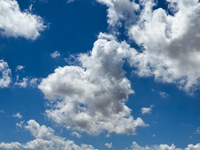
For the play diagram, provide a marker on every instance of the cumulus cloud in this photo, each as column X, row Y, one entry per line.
column 119, row 10
column 135, row 146
column 170, row 43
column 44, row 140
column 18, row 115
column 14, row 22
column 55, row 54
column 5, row 73
column 145, row 110
column 91, row 97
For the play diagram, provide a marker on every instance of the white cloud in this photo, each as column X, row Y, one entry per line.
column 23, row 83
column 170, row 43
column 19, row 67
column 109, row 145
column 145, row 110
column 135, row 146
column 44, row 140
column 14, row 22
column 91, row 97
column 76, row 134
column 5, row 73
column 55, row 54
column 18, row 115
column 119, row 10
column 163, row 94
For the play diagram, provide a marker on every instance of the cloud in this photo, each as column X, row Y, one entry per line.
column 23, row 83
column 145, row 110
column 15, row 23
column 44, row 140
column 19, row 67
column 198, row 130
column 76, row 134
column 163, row 94
column 91, row 97
column 5, row 73
column 119, row 10
column 55, row 54
column 135, row 146
column 34, row 82
column 170, row 43
column 20, row 124
column 109, row 145
column 18, row 115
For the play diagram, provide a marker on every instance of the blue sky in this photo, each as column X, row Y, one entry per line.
column 99, row 74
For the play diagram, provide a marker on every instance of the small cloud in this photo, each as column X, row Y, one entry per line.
column 34, row 82
column 55, row 54
column 107, row 135
column 19, row 67
column 163, row 94
column 1, row 111
column 145, row 110
column 154, row 135
column 109, row 145
column 76, row 134
column 70, row 1
column 191, row 137
column 20, row 124
column 18, row 115
column 23, row 83
column 198, row 130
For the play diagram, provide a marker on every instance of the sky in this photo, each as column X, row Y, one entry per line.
column 100, row 74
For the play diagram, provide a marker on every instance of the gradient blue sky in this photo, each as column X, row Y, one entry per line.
column 70, row 28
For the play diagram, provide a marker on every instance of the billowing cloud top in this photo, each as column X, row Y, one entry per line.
column 14, row 22
column 93, row 95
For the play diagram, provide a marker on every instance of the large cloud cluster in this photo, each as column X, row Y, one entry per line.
column 169, row 41
column 91, row 97
column 45, row 140
column 135, row 146
column 5, row 73
column 14, row 22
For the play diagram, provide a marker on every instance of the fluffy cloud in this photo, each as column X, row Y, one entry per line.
column 145, row 110
column 5, row 73
column 91, row 97
column 44, row 140
column 135, row 146
column 119, row 10
column 14, row 22
column 170, row 43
